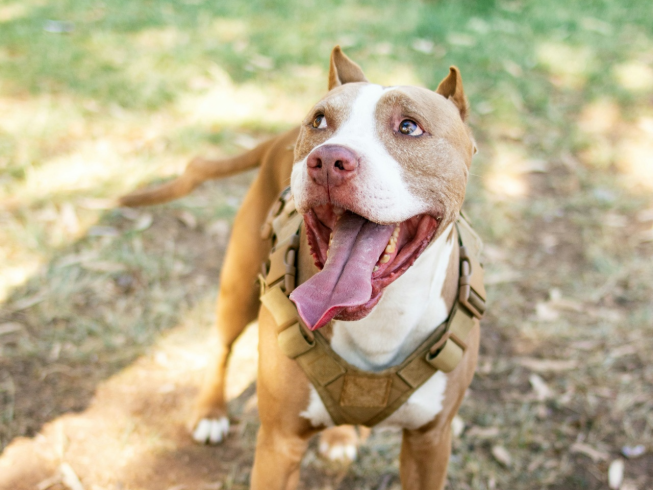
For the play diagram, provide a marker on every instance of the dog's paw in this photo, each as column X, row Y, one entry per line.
column 339, row 452
column 211, row 431
column 339, row 444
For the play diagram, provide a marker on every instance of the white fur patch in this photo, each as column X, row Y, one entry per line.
column 381, row 190
column 316, row 412
column 338, row 452
column 211, row 431
column 410, row 309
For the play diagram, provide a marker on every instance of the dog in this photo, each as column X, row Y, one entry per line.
column 377, row 177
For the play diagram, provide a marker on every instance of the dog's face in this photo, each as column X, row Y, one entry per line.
column 378, row 171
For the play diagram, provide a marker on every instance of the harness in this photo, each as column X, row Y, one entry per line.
column 352, row 395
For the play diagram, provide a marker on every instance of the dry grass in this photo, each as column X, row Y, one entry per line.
column 105, row 312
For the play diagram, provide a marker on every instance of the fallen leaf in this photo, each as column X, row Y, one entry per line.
column 49, row 482
column 483, row 432
column 546, row 365
column 536, row 463
column 69, row 219
column 104, row 266
column 69, row 478
column 143, row 222
column 30, row 301
column 10, row 327
column 645, row 215
column 632, row 452
column 188, row 219
column 103, row 231
column 97, row 204
column 219, row 228
column 546, row 313
column 73, row 259
column 502, row 455
column 616, row 474
column 594, row 454
column 502, row 277
column 624, row 350
column 457, row 426
column 540, row 387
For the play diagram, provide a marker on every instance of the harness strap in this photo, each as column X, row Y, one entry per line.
column 352, row 395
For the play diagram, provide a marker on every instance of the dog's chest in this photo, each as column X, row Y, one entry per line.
column 408, row 312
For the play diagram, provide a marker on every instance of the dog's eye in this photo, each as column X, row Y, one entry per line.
column 319, row 122
column 410, row 128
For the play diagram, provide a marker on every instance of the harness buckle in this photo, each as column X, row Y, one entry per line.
column 446, row 353
column 282, row 264
column 471, row 293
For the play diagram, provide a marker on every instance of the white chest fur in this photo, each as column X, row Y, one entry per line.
column 409, row 310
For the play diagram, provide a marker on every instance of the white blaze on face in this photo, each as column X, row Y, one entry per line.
column 379, row 189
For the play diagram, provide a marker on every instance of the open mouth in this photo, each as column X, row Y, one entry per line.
column 357, row 259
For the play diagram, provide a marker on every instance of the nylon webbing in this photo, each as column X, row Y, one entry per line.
column 351, row 395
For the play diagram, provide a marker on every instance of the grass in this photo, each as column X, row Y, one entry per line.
column 561, row 96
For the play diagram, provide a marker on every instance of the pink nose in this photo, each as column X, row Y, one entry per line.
column 332, row 165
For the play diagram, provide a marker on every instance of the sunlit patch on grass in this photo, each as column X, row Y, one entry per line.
column 13, row 275
column 160, row 38
column 506, row 174
column 635, row 76
column 397, row 74
column 635, row 154
column 12, row 11
column 227, row 103
column 600, row 117
column 568, row 65
column 229, row 30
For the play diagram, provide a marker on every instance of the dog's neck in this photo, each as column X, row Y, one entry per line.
column 410, row 309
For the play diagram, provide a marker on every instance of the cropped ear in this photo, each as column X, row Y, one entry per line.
column 452, row 88
column 343, row 70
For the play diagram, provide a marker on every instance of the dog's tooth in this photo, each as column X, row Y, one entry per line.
column 390, row 248
column 376, row 268
column 384, row 259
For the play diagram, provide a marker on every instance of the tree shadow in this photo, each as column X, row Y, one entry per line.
column 99, row 304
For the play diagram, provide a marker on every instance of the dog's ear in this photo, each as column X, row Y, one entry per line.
column 452, row 88
column 343, row 70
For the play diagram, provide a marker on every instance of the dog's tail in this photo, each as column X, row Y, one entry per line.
column 197, row 171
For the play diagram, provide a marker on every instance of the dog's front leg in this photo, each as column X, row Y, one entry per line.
column 277, row 459
column 237, row 306
column 425, row 457
column 283, row 393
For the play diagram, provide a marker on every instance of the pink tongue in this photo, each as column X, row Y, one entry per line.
column 346, row 279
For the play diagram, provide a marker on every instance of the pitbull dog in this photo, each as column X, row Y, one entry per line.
column 379, row 175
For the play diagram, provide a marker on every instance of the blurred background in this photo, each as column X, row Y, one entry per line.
column 105, row 313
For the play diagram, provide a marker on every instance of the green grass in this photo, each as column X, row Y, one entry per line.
column 560, row 95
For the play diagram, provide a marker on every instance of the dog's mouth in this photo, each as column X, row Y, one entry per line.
column 357, row 259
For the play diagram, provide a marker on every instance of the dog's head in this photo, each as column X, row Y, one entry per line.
column 378, row 172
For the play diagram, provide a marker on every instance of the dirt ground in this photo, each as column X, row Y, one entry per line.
column 550, row 407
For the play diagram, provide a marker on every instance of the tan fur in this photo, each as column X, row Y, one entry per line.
column 343, row 70
column 336, row 107
column 283, row 389
column 200, row 170
column 445, row 141
column 452, row 88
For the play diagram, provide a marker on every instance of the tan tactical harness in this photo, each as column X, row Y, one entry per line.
column 351, row 395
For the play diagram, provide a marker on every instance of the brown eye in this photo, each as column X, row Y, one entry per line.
column 410, row 128
column 319, row 122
